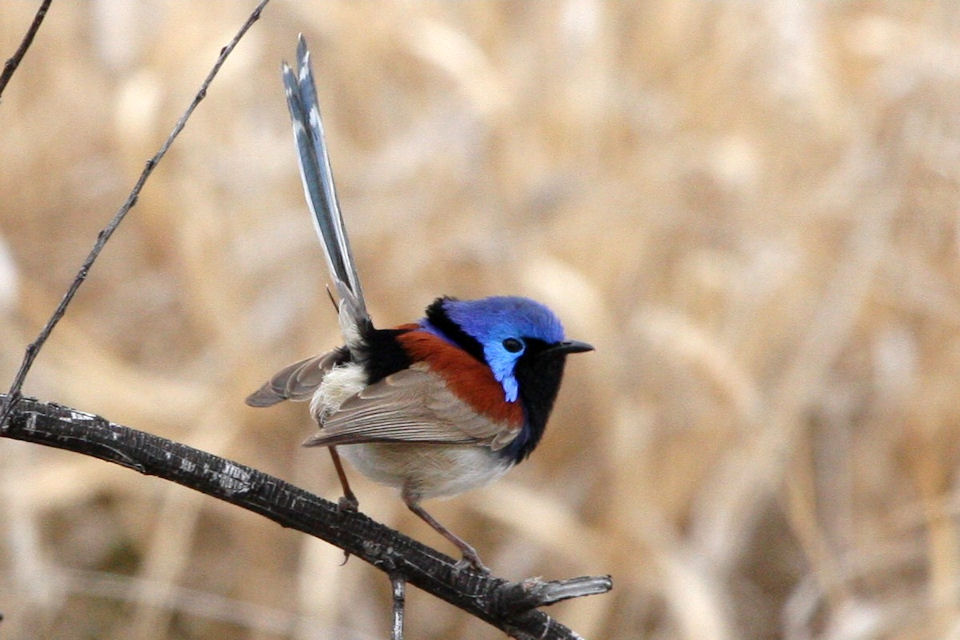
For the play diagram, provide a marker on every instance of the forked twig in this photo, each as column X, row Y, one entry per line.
column 14, row 61
column 13, row 395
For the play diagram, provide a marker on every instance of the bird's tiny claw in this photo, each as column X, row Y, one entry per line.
column 471, row 562
column 348, row 503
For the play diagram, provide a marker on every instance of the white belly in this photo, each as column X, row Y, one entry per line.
column 427, row 470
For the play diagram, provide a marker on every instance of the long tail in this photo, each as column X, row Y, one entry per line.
column 318, row 187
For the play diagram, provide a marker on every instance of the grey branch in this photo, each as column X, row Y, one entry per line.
column 506, row 605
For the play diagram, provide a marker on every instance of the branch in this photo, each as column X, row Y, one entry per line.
column 13, row 395
column 505, row 605
column 14, row 61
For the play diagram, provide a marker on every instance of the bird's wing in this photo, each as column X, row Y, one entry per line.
column 318, row 181
column 413, row 405
column 297, row 381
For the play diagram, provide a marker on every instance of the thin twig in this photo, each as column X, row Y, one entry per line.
column 13, row 395
column 504, row 604
column 11, row 65
column 398, row 587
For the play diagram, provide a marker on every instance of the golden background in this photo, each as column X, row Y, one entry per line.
column 751, row 209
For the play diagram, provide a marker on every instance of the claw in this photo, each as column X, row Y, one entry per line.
column 471, row 562
column 348, row 503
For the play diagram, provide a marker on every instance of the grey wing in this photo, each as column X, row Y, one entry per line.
column 412, row 405
column 297, row 381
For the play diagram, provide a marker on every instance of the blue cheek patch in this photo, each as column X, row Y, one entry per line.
column 501, row 363
column 510, row 388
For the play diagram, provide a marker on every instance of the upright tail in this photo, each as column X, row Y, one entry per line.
column 319, row 190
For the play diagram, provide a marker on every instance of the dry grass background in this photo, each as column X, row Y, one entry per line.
column 750, row 208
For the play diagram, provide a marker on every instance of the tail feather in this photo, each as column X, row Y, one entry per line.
column 318, row 178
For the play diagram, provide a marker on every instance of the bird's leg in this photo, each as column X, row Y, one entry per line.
column 347, row 502
column 470, row 556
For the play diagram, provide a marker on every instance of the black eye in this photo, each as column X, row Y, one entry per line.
column 512, row 345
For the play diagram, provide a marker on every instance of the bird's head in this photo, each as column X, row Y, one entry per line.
column 522, row 341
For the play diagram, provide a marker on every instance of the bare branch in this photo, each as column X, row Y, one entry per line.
column 13, row 395
column 10, row 66
column 507, row 606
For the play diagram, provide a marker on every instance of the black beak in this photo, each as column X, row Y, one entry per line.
column 569, row 346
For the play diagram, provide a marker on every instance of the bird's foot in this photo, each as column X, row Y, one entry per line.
column 348, row 503
column 471, row 561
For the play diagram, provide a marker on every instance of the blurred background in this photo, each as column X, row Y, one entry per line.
column 751, row 209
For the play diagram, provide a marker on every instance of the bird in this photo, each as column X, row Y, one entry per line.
column 433, row 407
